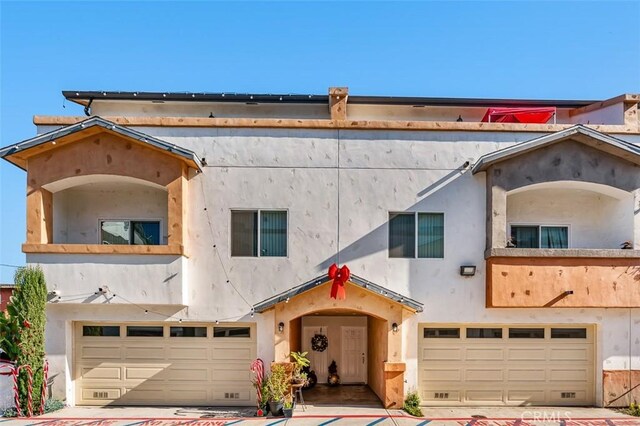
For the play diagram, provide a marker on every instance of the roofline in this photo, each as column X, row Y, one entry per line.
column 101, row 122
column 83, row 97
column 322, row 279
column 502, row 154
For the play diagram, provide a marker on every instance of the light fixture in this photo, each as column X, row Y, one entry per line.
column 459, row 120
column 281, row 328
column 468, row 270
column 394, row 327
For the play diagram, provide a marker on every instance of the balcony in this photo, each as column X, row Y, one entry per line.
column 556, row 278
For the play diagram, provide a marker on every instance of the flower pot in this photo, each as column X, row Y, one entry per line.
column 276, row 407
column 288, row 412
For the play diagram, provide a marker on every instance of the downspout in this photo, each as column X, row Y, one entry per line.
column 87, row 108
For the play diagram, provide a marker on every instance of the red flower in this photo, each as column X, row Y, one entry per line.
column 26, row 324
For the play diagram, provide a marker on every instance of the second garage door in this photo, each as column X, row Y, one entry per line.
column 164, row 364
column 506, row 365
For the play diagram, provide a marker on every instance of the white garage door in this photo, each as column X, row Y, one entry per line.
column 164, row 364
column 506, row 365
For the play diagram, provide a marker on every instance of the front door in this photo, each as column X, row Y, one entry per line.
column 354, row 355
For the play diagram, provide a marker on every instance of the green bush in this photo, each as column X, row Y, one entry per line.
column 22, row 331
column 277, row 383
column 53, row 405
column 634, row 409
column 412, row 404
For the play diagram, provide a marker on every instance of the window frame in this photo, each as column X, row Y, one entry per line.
column 546, row 225
column 160, row 221
column 415, row 235
column 258, row 229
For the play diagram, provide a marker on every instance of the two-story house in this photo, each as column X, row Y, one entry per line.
column 492, row 245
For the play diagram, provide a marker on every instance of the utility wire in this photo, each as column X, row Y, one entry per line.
column 215, row 248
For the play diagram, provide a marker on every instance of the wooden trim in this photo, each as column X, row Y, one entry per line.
column 330, row 124
column 394, row 366
column 627, row 99
column 174, row 249
column 338, row 97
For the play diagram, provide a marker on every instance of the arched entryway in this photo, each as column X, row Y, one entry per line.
column 383, row 310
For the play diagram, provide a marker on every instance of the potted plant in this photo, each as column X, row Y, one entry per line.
column 277, row 384
column 288, row 409
column 263, row 401
column 300, row 362
column 333, row 379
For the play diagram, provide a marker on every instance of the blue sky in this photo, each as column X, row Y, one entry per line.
column 573, row 50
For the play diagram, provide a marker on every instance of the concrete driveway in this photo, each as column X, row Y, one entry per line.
column 334, row 416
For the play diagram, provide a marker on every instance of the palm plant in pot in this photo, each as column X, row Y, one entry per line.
column 300, row 362
column 277, row 385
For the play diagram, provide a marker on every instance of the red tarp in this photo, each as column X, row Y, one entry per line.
column 518, row 115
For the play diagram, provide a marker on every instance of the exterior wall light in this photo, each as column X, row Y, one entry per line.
column 468, row 270
column 394, row 327
column 281, row 328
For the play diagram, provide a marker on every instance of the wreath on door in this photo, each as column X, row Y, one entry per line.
column 319, row 343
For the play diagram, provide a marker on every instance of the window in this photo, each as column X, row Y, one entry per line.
column 231, row 332
column 429, row 241
column 442, row 333
column 133, row 232
column 260, row 233
column 188, row 332
column 101, row 330
column 144, row 331
column 526, row 333
column 484, row 333
column 568, row 333
column 539, row 236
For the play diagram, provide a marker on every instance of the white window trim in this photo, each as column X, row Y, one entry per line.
column 163, row 241
column 259, row 255
column 538, row 224
column 415, row 236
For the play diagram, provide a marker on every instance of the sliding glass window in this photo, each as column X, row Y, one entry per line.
column 263, row 229
column 416, row 233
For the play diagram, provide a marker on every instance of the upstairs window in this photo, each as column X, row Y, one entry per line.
column 540, row 236
column 416, row 233
column 130, row 232
column 259, row 233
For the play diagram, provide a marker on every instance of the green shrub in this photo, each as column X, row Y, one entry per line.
column 412, row 404
column 634, row 409
column 277, row 383
column 22, row 331
column 53, row 405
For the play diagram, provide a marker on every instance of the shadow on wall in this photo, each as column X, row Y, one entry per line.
column 377, row 240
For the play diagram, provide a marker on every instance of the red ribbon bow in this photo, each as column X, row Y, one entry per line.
column 339, row 277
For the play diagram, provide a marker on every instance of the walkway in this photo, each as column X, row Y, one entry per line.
column 334, row 416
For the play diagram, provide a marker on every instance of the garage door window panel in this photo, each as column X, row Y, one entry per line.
column 101, row 331
column 484, row 333
column 145, row 331
column 441, row 333
column 188, row 332
column 568, row 333
column 234, row 332
column 526, row 333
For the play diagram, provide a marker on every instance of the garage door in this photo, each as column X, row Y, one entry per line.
column 164, row 364
column 506, row 365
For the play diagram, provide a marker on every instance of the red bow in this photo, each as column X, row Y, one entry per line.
column 339, row 277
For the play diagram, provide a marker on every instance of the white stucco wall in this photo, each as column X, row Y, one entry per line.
column 594, row 220
column 6, row 388
column 338, row 188
column 78, row 210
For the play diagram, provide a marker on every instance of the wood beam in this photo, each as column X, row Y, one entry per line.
column 338, row 102
column 268, row 123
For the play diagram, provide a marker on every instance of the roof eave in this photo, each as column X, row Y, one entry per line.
column 271, row 302
column 8, row 151
column 491, row 158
